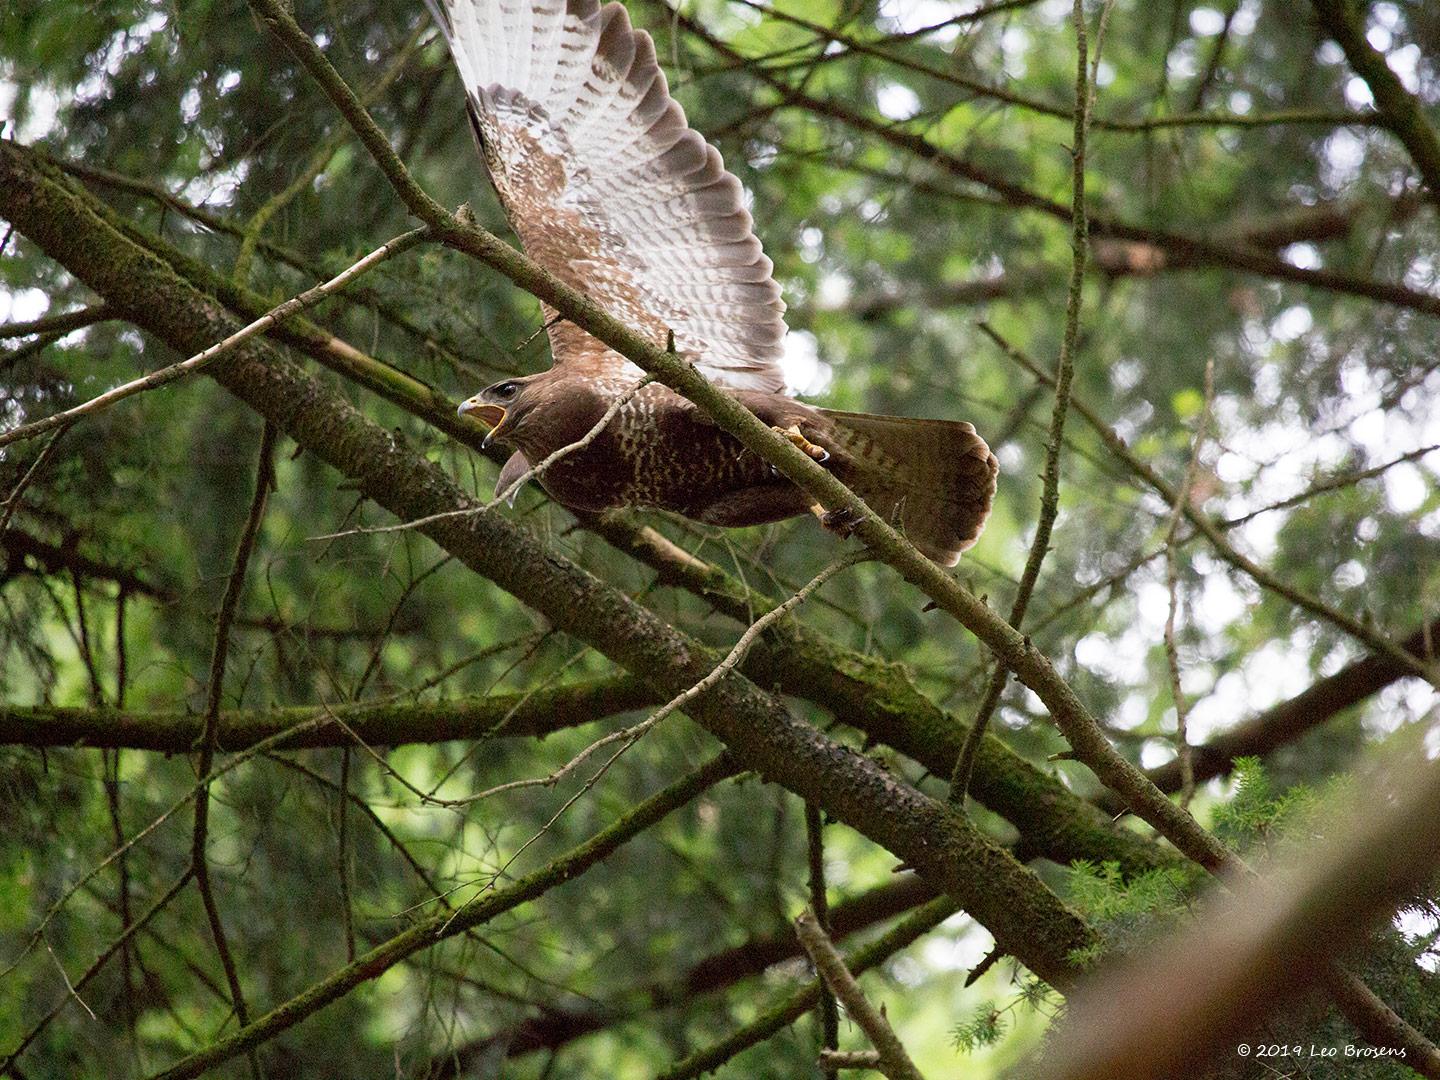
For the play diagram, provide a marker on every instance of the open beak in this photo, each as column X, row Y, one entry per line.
column 494, row 415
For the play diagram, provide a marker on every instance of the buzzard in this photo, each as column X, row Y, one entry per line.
column 610, row 190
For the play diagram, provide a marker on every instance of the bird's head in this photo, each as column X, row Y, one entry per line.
column 502, row 405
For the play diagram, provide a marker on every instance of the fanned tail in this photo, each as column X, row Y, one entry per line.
column 935, row 479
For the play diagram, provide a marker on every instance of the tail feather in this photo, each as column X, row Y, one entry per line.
column 933, row 478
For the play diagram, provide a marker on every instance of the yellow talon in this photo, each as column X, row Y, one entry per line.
column 794, row 434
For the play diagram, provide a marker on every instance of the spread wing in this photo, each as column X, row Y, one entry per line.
column 609, row 189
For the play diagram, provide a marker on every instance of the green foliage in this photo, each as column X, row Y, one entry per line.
column 985, row 1028
column 1127, row 909
column 888, row 260
column 1256, row 813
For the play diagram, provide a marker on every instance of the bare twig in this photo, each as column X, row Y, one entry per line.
column 515, row 485
column 1064, row 373
column 65, row 323
column 1194, row 118
column 69, row 986
column 1330, row 483
column 169, row 374
column 893, row 1062
column 229, row 604
column 12, row 501
column 1172, row 585
column 820, row 905
column 832, row 1061
column 342, row 853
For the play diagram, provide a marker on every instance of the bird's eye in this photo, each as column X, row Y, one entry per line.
column 506, row 391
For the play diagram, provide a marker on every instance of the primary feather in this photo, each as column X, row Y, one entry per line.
column 609, row 189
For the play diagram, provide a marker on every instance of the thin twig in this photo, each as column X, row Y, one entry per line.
column 1172, row 586
column 169, row 374
column 65, row 323
column 12, row 501
column 515, row 485
column 1331, row 483
column 1064, row 373
column 69, row 986
column 832, row 1061
column 820, row 905
column 230, row 603
column 894, row 1062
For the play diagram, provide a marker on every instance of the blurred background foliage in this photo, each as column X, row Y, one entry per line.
column 889, row 263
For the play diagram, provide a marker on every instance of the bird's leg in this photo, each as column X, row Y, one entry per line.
column 796, row 436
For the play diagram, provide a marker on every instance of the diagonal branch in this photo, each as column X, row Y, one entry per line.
column 1055, row 438
column 276, row 315
column 893, row 1062
column 1403, row 113
column 785, row 1012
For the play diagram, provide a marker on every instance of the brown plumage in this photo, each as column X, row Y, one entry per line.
column 610, row 190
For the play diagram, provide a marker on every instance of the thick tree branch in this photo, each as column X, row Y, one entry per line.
column 537, row 712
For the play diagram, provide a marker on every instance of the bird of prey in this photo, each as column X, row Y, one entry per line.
column 609, row 189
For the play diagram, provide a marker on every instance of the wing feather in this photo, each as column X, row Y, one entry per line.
column 609, row 188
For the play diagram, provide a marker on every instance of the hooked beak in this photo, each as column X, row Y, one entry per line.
column 486, row 413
